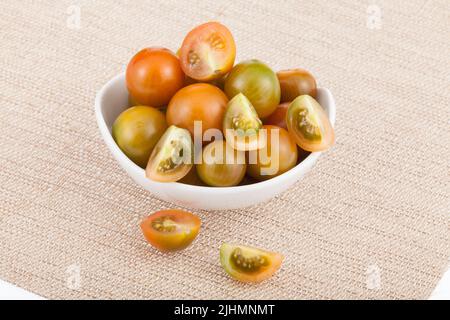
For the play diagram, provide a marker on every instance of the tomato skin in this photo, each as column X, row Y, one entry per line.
column 287, row 155
column 208, row 52
column 296, row 82
column 197, row 102
column 258, row 83
column 278, row 117
column 178, row 229
column 260, row 264
column 309, row 125
column 153, row 76
column 227, row 171
column 137, row 130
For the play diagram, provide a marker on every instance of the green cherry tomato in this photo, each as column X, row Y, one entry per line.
column 258, row 83
column 137, row 130
column 308, row 124
column 222, row 166
column 241, row 125
column 172, row 158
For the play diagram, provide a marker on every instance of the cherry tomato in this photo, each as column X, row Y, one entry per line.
column 208, row 52
column 172, row 157
column 241, row 125
column 267, row 163
column 278, row 117
column 192, row 178
column 137, row 130
column 296, row 82
column 153, row 76
column 308, row 124
column 197, row 102
column 258, row 83
column 222, row 166
column 248, row 264
column 171, row 230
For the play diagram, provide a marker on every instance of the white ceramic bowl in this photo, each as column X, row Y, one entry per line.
column 112, row 99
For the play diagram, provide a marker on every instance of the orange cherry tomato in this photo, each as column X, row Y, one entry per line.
column 296, row 82
column 278, row 117
column 208, row 52
column 153, row 76
column 197, row 102
column 267, row 163
column 171, row 230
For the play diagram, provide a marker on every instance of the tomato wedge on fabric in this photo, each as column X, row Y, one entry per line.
column 241, row 125
column 208, row 52
column 172, row 157
column 309, row 125
column 171, row 230
column 249, row 264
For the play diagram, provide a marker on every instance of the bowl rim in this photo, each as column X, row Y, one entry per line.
column 116, row 151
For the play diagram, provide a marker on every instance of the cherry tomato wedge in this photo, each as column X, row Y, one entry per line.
column 278, row 156
column 278, row 117
column 308, row 124
column 208, row 52
column 172, row 157
column 241, row 125
column 171, row 230
column 248, row 264
column 296, row 82
column 153, row 76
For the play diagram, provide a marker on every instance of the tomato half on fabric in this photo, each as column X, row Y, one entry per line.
column 172, row 157
column 137, row 130
column 296, row 82
column 309, row 125
column 258, row 83
column 241, row 125
column 248, row 264
column 278, row 156
column 197, row 102
column 208, row 52
column 153, row 76
column 171, row 230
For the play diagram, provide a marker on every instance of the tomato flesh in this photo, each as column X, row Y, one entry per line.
column 172, row 157
column 208, row 52
column 248, row 264
column 153, row 76
column 241, row 125
column 309, row 125
column 171, row 230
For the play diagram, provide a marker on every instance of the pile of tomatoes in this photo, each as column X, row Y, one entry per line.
column 255, row 124
column 252, row 107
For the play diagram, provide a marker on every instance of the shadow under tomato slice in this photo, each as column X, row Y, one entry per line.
column 171, row 230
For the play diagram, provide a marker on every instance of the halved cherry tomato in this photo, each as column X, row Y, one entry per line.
column 241, row 125
column 208, row 52
column 222, row 166
column 278, row 156
column 278, row 117
column 172, row 157
column 308, row 124
column 197, row 102
column 137, row 130
column 248, row 264
column 258, row 83
column 296, row 82
column 171, row 230
column 153, row 76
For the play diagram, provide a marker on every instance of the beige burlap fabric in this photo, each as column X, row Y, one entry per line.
column 370, row 221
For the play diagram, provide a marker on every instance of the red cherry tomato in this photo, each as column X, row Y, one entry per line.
column 278, row 117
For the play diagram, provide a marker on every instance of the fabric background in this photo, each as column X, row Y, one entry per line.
column 377, row 202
